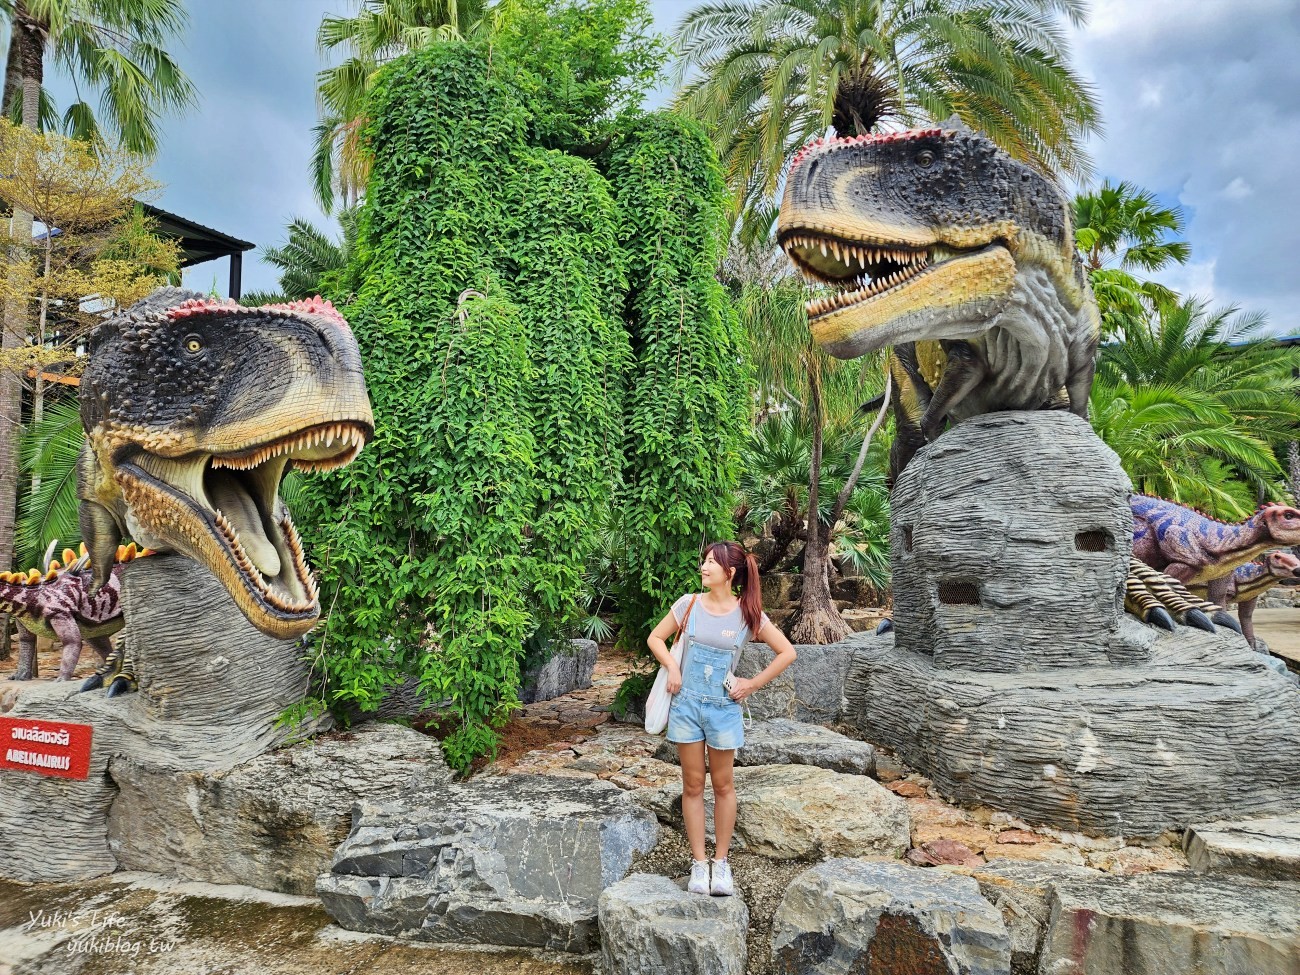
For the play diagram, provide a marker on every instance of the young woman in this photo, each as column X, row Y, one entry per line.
column 705, row 713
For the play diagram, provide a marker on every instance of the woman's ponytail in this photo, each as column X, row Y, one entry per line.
column 751, row 595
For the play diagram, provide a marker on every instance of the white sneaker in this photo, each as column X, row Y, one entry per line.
column 723, row 885
column 699, row 882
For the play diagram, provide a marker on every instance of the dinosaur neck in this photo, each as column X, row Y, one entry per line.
column 1237, row 543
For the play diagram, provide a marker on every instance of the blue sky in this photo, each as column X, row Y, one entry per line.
column 1201, row 100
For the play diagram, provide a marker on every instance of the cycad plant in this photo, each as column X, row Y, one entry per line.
column 1199, row 406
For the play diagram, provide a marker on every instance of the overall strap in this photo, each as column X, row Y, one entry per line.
column 690, row 633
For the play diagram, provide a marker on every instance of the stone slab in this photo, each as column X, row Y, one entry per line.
column 849, row 915
column 1268, row 847
column 273, row 822
column 568, row 670
column 1161, row 924
column 810, row 690
column 781, row 741
column 649, row 925
column 516, row 860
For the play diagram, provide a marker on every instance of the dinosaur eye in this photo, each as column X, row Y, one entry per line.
column 193, row 344
column 925, row 158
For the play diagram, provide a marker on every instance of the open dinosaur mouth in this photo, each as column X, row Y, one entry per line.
column 227, row 507
column 863, row 272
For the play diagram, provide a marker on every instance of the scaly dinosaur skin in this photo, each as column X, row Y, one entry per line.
column 963, row 259
column 1250, row 581
column 58, row 606
column 193, row 409
column 1200, row 551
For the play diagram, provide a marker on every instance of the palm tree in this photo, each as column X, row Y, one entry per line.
column 380, row 31
column 112, row 47
column 775, row 73
column 1121, row 229
column 310, row 261
column 1199, row 407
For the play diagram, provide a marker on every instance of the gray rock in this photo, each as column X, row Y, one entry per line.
column 855, row 916
column 1152, row 924
column 781, row 741
column 273, row 822
column 811, row 689
column 568, row 670
column 1268, row 848
column 649, row 925
column 1022, row 892
column 517, row 861
column 790, row 811
column 1202, row 731
column 212, row 688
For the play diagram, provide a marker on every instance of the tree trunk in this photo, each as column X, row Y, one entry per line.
column 27, row 46
column 1293, row 463
column 819, row 621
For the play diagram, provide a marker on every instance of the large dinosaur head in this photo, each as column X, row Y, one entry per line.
column 922, row 234
column 194, row 408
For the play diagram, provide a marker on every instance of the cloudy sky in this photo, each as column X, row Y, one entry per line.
column 1201, row 100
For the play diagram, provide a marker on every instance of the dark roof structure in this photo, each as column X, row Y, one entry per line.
column 200, row 244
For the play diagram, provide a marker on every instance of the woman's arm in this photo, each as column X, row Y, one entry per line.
column 656, row 641
column 785, row 656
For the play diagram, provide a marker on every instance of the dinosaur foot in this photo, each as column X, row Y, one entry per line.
column 1194, row 617
column 884, row 626
column 123, row 683
column 92, row 683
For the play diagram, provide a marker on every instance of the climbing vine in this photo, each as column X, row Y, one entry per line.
column 507, row 295
column 690, row 397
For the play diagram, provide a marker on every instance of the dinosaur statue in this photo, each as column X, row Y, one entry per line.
column 1250, row 581
column 1202, row 552
column 194, row 408
column 939, row 244
column 57, row 605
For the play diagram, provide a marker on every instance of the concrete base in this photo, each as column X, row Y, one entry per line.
column 211, row 690
column 1203, row 730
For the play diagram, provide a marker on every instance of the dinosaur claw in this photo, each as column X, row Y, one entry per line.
column 121, row 685
column 1159, row 616
column 1194, row 617
column 1225, row 619
column 92, row 683
column 884, row 626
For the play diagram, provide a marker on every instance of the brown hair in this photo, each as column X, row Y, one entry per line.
column 732, row 555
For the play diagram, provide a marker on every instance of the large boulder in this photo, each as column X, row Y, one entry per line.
column 810, row 690
column 514, row 860
column 273, row 822
column 781, row 741
column 1187, row 924
column 649, row 925
column 855, row 916
column 791, row 811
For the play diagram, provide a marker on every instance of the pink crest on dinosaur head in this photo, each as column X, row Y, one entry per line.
column 200, row 306
column 842, row 142
column 318, row 306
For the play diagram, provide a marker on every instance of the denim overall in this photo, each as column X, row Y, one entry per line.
column 703, row 710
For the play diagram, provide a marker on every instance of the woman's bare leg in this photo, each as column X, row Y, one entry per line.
column 721, row 765
column 692, row 759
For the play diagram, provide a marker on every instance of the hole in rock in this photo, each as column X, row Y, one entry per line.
column 1094, row 540
column 959, row 593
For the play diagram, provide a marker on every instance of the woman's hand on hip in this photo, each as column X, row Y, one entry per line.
column 674, row 680
column 741, row 688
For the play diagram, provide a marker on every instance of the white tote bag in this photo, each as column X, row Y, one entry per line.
column 660, row 701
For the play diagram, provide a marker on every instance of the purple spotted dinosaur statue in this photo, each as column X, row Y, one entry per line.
column 1199, row 551
column 1250, row 581
column 57, row 604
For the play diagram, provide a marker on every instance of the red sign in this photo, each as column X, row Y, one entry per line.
column 45, row 747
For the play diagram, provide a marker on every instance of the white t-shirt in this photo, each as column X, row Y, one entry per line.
column 716, row 631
